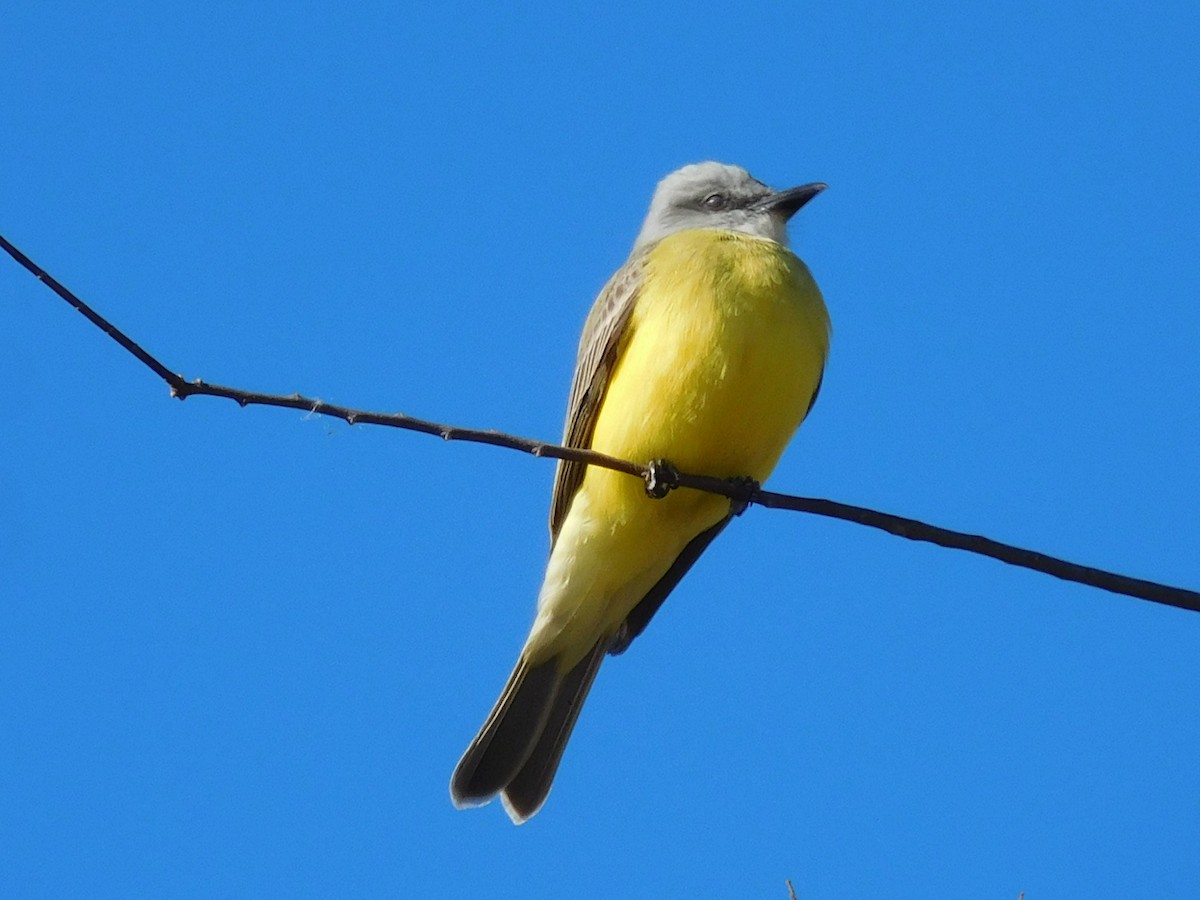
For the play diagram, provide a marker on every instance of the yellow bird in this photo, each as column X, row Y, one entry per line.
column 705, row 349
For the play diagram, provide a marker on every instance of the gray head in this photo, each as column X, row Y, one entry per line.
column 728, row 198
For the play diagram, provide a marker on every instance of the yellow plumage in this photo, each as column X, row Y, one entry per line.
column 725, row 350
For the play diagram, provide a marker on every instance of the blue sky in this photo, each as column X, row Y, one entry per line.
column 241, row 650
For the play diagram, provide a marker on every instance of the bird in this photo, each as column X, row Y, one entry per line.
column 703, row 352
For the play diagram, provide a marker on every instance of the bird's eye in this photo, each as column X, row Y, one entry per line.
column 716, row 201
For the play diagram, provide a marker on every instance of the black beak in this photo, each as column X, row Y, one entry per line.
column 786, row 203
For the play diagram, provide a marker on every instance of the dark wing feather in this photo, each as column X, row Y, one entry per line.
column 604, row 336
column 640, row 616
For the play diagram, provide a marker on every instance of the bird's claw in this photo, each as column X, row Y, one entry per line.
column 661, row 478
column 746, row 487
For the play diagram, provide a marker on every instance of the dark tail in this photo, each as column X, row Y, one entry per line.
column 518, row 749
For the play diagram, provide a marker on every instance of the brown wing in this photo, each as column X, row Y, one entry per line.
column 604, row 336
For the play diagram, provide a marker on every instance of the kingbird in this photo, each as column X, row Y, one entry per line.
column 705, row 350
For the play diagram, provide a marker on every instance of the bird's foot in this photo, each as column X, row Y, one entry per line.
column 745, row 487
column 661, row 478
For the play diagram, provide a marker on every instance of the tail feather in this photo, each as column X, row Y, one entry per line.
column 519, row 747
column 527, row 791
column 508, row 736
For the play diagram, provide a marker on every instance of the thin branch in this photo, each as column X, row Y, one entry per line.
column 90, row 314
column 654, row 473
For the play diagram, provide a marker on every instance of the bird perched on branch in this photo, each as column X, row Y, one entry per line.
column 704, row 351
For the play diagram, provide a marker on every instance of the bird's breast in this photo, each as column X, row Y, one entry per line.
column 726, row 347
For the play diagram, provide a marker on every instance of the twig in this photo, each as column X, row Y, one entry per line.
column 739, row 490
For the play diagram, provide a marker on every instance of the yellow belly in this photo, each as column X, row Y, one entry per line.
column 727, row 344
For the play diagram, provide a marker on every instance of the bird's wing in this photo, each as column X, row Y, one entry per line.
column 604, row 337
